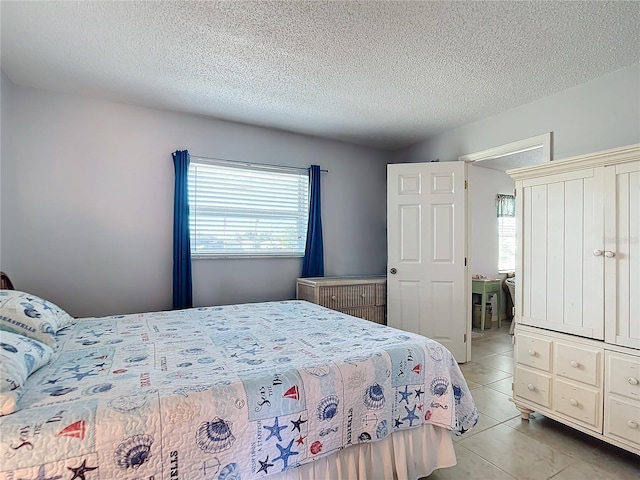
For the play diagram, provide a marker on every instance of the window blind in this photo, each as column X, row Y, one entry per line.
column 506, row 210
column 247, row 210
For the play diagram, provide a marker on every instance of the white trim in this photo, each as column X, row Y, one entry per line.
column 598, row 159
column 512, row 148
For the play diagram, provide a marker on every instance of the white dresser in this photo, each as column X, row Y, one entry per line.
column 360, row 296
column 577, row 335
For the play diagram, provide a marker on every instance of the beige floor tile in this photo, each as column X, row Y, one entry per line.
column 625, row 465
column 484, row 422
column 499, row 362
column 469, row 467
column 556, row 435
column 580, row 470
column 480, row 350
column 494, row 404
column 501, row 342
column 477, row 373
column 517, row 454
column 473, row 385
column 503, row 386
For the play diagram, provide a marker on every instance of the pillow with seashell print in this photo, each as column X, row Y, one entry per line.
column 20, row 356
column 31, row 316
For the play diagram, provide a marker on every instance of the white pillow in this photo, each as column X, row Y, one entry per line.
column 19, row 357
column 31, row 316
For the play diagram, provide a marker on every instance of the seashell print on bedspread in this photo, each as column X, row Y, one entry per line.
column 232, row 392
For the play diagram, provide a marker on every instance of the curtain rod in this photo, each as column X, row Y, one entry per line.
column 253, row 163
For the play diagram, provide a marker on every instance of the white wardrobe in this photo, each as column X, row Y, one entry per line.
column 577, row 337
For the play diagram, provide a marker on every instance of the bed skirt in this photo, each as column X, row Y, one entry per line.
column 405, row 455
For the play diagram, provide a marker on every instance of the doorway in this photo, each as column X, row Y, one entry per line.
column 491, row 238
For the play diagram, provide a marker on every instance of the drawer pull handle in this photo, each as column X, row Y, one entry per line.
column 632, row 424
column 532, row 352
column 573, row 402
column 531, row 387
column 574, row 364
column 597, row 253
column 363, row 295
column 609, row 254
column 333, row 297
column 632, row 381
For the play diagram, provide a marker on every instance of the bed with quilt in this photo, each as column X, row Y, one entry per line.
column 285, row 390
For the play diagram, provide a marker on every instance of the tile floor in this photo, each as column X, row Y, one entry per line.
column 502, row 446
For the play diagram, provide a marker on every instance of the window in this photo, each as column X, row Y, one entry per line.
column 506, row 233
column 247, row 210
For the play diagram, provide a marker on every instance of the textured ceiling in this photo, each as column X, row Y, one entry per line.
column 386, row 74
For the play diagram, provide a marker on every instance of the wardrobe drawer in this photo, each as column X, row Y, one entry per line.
column 578, row 362
column 344, row 296
column 623, row 372
column 532, row 385
column 534, row 352
column 578, row 402
column 623, row 420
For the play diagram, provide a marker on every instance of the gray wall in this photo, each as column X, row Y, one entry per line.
column 87, row 203
column 598, row 115
column 484, row 185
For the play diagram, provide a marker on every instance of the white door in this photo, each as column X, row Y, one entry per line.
column 427, row 280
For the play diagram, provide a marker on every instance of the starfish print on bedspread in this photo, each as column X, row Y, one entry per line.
column 81, row 375
column 274, row 430
column 285, row 453
column 264, row 466
column 405, row 395
column 297, row 423
column 79, row 472
column 411, row 415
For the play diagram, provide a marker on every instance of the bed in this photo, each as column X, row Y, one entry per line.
column 286, row 390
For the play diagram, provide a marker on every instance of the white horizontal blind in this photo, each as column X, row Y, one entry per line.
column 506, row 233
column 246, row 210
column 507, row 244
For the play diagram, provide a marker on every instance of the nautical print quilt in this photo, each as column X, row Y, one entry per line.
column 231, row 392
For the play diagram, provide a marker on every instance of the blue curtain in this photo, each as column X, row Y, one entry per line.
column 313, row 265
column 182, row 287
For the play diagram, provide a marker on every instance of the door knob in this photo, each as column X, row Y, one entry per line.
column 597, row 253
column 609, row 254
column 393, row 271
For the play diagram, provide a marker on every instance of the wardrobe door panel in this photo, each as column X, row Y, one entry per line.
column 622, row 254
column 563, row 285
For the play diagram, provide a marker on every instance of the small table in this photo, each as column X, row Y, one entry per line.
column 484, row 287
